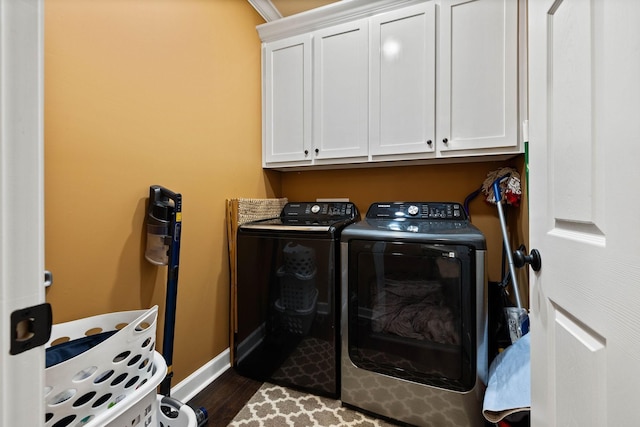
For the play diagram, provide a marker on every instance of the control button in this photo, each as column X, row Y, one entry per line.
column 413, row 210
column 315, row 209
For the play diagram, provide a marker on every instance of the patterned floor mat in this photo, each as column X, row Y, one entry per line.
column 275, row 406
column 311, row 365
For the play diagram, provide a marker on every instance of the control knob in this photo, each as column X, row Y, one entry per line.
column 413, row 210
column 315, row 209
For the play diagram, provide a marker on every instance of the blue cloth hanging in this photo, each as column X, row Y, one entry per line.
column 509, row 388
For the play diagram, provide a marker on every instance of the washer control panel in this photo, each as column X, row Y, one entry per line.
column 320, row 211
column 417, row 210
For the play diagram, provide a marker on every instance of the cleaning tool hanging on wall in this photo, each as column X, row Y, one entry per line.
column 503, row 187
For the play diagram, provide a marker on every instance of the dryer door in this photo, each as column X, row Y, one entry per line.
column 411, row 311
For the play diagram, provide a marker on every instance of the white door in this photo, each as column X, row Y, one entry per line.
column 21, row 206
column 584, row 118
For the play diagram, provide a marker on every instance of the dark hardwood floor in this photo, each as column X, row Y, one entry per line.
column 224, row 397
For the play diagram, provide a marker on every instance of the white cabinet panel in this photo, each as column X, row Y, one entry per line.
column 341, row 85
column 403, row 81
column 287, row 100
column 478, row 88
column 392, row 80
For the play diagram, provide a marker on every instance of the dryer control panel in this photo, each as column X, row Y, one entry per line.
column 417, row 210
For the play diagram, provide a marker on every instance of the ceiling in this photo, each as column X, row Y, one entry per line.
column 291, row 7
column 272, row 10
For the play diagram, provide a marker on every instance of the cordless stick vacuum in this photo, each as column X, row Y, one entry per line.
column 164, row 225
column 164, row 220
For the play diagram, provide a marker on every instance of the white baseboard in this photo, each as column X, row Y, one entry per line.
column 186, row 389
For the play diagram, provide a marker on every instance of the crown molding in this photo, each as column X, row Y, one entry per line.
column 325, row 16
column 266, row 9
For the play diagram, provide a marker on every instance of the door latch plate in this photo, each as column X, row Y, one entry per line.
column 30, row 327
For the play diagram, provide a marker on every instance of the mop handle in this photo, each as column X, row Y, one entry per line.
column 505, row 238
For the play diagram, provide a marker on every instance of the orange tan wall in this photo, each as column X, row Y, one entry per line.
column 141, row 92
column 448, row 182
column 167, row 92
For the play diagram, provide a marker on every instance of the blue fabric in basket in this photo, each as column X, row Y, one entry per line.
column 67, row 350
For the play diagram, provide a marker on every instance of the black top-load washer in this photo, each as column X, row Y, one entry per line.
column 288, row 296
column 414, row 314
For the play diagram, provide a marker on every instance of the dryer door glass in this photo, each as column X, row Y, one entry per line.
column 412, row 310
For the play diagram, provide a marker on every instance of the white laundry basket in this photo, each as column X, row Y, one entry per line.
column 140, row 408
column 113, row 384
column 144, row 407
column 79, row 389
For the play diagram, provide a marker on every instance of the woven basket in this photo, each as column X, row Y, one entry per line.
column 255, row 209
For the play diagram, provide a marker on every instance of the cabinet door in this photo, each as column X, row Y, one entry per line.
column 287, row 100
column 402, row 103
column 341, row 86
column 478, row 88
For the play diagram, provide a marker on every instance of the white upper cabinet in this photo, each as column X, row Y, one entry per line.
column 371, row 81
column 403, row 76
column 287, row 100
column 340, row 95
column 478, row 70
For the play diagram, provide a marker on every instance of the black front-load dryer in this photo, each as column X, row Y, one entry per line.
column 288, row 296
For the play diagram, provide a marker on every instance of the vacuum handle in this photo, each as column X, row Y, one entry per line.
column 158, row 193
column 158, row 189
